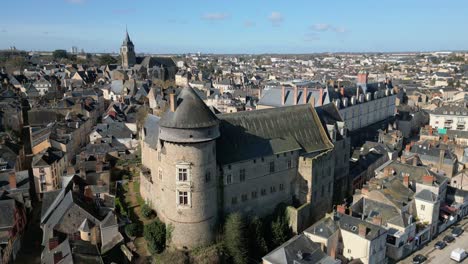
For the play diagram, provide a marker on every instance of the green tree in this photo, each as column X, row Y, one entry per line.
column 155, row 235
column 15, row 63
column 457, row 84
column 146, row 211
column 60, row 54
column 450, row 83
column 133, row 229
column 234, row 238
column 257, row 243
column 433, row 81
column 107, row 59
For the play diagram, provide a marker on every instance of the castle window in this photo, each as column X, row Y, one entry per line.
column 254, row 194
column 284, row 154
column 160, row 174
column 182, row 174
column 323, row 190
column 329, row 187
column 234, row 200
column 272, row 189
column 183, row 198
column 242, row 175
column 254, row 161
column 228, row 179
column 208, row 176
column 272, row 167
column 289, row 164
column 244, row 197
column 277, row 156
column 263, row 159
column 281, row 187
column 229, row 167
column 263, row 192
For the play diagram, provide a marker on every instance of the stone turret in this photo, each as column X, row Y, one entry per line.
column 187, row 139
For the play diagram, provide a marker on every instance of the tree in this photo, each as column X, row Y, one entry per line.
column 433, row 81
column 133, row 229
column 107, row 59
column 457, row 84
column 146, row 211
column 234, row 238
column 155, row 235
column 15, row 63
column 60, row 54
column 450, row 83
column 257, row 243
column 141, row 115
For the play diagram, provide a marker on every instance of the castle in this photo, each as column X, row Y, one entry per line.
column 197, row 167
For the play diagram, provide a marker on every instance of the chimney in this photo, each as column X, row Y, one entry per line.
column 362, row 230
column 53, row 243
column 341, row 209
column 406, row 180
column 321, row 97
column 283, row 94
column 172, row 102
column 12, row 180
column 304, row 95
column 415, row 160
column 88, row 193
column 441, row 158
column 387, row 171
column 430, row 131
column 70, row 170
column 99, row 166
column 312, row 101
column 377, row 220
column 428, row 179
column 408, row 148
column 403, row 159
column 445, row 138
column 342, row 91
column 364, row 190
column 58, row 257
column 295, row 95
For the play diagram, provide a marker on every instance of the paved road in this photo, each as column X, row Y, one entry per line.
column 436, row 256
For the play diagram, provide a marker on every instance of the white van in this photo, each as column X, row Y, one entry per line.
column 458, row 254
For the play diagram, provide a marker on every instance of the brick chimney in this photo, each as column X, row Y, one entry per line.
column 408, row 148
column 283, row 95
column 99, row 166
column 341, row 209
column 415, row 160
column 362, row 77
column 304, row 95
column 430, row 131
column 172, row 102
column 70, row 170
column 342, row 91
column 320, row 97
column 12, row 180
column 362, row 230
column 445, row 138
column 428, row 179
column 312, row 101
column 406, row 180
column 387, row 171
column 295, row 95
column 364, row 190
column 53, row 243
column 377, row 220
column 403, row 159
column 441, row 158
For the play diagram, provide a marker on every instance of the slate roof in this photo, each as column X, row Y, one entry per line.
column 7, row 217
column 252, row 134
column 298, row 250
column 351, row 224
column 426, row 195
column 191, row 112
column 325, row 228
column 272, row 96
column 151, row 127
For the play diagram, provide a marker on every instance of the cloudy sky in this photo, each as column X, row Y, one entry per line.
column 236, row 26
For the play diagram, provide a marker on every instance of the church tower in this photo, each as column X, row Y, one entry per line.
column 127, row 52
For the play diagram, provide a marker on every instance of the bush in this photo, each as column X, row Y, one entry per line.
column 133, row 229
column 234, row 238
column 146, row 211
column 155, row 235
column 257, row 243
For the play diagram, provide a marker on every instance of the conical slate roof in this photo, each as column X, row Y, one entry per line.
column 191, row 112
column 127, row 41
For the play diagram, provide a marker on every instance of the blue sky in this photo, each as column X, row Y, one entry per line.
column 236, row 26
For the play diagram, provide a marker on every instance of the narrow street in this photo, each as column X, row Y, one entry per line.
column 30, row 251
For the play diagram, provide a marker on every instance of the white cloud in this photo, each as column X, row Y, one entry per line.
column 215, row 16
column 321, row 27
column 276, row 18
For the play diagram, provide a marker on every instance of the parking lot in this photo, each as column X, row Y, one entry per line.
column 443, row 256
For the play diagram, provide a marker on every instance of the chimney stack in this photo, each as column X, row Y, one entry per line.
column 406, row 180
column 428, row 179
column 415, row 160
column 172, row 102
column 342, row 92
column 304, row 95
column 283, row 95
column 362, row 230
column 321, row 97
column 295, row 95
column 377, row 220
column 341, row 209
column 441, row 158
column 12, row 180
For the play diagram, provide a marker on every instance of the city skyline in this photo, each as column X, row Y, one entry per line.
column 241, row 27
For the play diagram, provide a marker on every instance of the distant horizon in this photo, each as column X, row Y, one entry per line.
column 241, row 27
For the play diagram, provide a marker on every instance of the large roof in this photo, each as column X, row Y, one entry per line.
column 191, row 112
column 251, row 134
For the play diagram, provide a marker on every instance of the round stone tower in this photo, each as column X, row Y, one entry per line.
column 187, row 134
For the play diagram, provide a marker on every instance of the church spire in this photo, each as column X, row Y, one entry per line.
column 127, row 39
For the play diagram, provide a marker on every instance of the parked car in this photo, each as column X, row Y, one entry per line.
column 418, row 259
column 448, row 239
column 440, row 245
column 458, row 254
column 457, row 231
